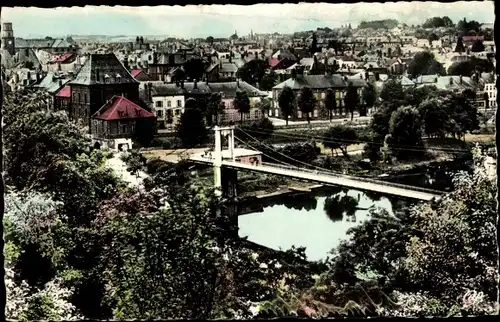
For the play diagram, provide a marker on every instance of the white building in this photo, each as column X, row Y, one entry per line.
column 491, row 90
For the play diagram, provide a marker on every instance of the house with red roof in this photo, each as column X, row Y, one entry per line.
column 62, row 99
column 119, row 121
column 140, row 75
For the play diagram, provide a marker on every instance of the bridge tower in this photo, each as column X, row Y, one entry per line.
column 225, row 180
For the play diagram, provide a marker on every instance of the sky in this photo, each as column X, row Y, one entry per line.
column 223, row 20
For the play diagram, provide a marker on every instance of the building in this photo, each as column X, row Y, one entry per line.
column 319, row 84
column 48, row 44
column 491, row 90
column 62, row 99
column 100, row 78
column 8, row 40
column 118, row 121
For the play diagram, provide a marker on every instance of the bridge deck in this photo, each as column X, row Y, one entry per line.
column 334, row 179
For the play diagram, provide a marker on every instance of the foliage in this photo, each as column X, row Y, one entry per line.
column 340, row 137
column 268, row 81
column 469, row 67
column 306, row 102
column 438, row 22
column 378, row 24
column 351, row 99
column 464, row 26
column 433, row 117
column 194, row 68
column 242, row 103
column 135, row 161
column 191, row 129
column 424, row 63
column 253, row 71
column 261, row 129
column 215, row 108
column 330, row 103
column 405, row 128
column 392, row 92
column 337, row 206
column 459, row 47
column 286, row 103
column 369, row 95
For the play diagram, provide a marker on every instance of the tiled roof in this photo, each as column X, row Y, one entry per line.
column 426, row 79
column 229, row 89
column 314, row 82
column 453, row 82
column 119, row 108
column 98, row 67
column 26, row 55
column 62, row 58
column 51, row 83
column 64, row 92
column 229, row 68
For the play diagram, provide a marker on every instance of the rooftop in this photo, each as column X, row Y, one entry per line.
column 103, row 69
column 119, row 108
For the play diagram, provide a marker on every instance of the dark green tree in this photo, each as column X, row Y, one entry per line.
column 215, row 108
column 424, row 63
column 433, row 117
column 340, row 137
column 194, row 68
column 351, row 99
column 268, row 81
column 470, row 66
column 459, row 48
column 405, row 128
column 330, row 102
column 369, row 95
column 192, row 129
column 241, row 103
column 253, row 71
column 306, row 102
column 286, row 102
column 477, row 46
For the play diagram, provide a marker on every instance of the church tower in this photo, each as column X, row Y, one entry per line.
column 8, row 41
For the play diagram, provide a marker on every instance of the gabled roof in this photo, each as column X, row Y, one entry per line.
column 119, row 108
column 98, row 67
column 64, row 92
column 314, row 82
column 51, row 83
column 229, row 89
column 26, row 55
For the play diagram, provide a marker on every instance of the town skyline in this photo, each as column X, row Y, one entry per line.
column 222, row 21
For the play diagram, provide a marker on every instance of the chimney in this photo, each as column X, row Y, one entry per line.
column 38, row 76
column 182, row 84
column 195, row 84
column 60, row 83
column 237, row 82
column 155, row 58
column 294, row 74
column 28, row 76
column 460, row 79
column 451, row 80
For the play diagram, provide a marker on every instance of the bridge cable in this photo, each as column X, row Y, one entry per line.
column 330, row 140
column 298, row 161
column 253, row 148
column 387, row 183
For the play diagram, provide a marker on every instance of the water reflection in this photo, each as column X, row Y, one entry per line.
column 338, row 206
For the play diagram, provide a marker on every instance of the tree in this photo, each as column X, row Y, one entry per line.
column 433, row 117
column 469, row 67
column 424, row 63
column 269, row 80
column 191, row 129
column 215, row 108
column 405, row 128
column 286, row 102
column 330, row 102
column 210, row 40
column 340, row 137
column 253, row 71
column 351, row 99
column 194, row 68
column 369, row 95
column 261, row 129
column 306, row 102
column 264, row 105
column 477, row 46
column 314, row 45
column 241, row 103
column 459, row 48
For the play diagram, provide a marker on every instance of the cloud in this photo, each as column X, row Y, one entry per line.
column 222, row 20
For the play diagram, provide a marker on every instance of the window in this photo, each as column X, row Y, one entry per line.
column 79, row 98
column 85, row 98
column 124, row 128
column 177, row 112
column 159, row 104
column 159, row 113
column 179, row 103
column 257, row 114
column 169, row 103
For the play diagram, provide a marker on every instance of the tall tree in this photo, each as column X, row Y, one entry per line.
column 314, row 45
column 286, row 102
column 434, row 117
column 340, row 137
column 215, row 108
column 351, row 99
column 405, row 128
column 194, row 68
column 470, row 66
column 253, row 71
column 241, row 103
column 369, row 95
column 268, row 81
column 330, row 102
column 306, row 102
column 424, row 63
column 459, row 48
column 477, row 46
column 192, row 129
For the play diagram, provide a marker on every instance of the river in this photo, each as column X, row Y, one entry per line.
column 300, row 219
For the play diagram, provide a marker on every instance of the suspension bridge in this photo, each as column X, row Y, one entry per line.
column 227, row 162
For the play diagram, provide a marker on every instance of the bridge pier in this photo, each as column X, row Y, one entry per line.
column 225, row 180
column 229, row 183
